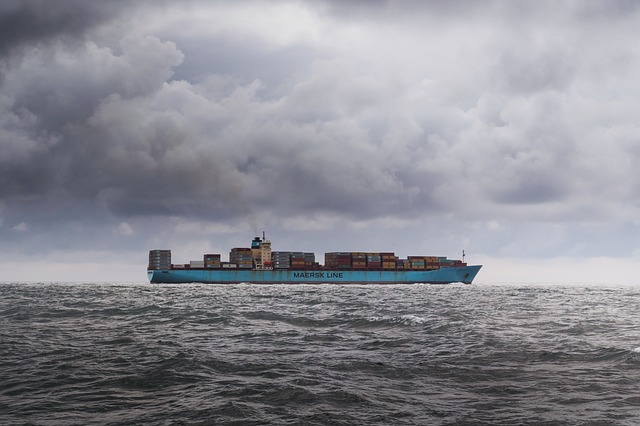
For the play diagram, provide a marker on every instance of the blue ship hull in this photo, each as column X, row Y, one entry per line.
column 463, row 274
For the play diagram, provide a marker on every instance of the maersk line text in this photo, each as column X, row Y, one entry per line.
column 318, row 275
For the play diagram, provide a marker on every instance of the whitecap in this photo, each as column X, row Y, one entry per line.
column 637, row 350
column 375, row 318
column 412, row 319
column 402, row 319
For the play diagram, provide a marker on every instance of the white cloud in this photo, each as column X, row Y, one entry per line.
column 124, row 228
column 275, row 24
column 22, row 227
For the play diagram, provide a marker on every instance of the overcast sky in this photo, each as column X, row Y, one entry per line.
column 508, row 129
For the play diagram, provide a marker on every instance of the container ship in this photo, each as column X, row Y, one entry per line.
column 258, row 264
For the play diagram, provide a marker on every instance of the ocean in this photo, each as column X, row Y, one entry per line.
column 498, row 354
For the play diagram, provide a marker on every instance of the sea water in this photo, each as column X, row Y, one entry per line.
column 110, row 354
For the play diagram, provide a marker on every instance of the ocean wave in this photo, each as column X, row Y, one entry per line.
column 127, row 354
column 405, row 319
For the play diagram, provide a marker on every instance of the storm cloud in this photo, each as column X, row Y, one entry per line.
column 35, row 23
column 510, row 129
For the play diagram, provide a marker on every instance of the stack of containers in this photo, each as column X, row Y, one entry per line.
column 212, row 261
column 281, row 259
column 330, row 260
column 359, row 260
column 444, row 262
column 297, row 260
column 309, row 260
column 337, row 260
column 402, row 263
column 374, row 261
column 432, row 263
column 159, row 259
column 417, row 262
column 388, row 260
column 243, row 257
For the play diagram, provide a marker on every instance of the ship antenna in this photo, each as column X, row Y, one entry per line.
column 462, row 256
column 263, row 237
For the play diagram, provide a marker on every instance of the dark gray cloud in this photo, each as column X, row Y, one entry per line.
column 48, row 136
column 26, row 23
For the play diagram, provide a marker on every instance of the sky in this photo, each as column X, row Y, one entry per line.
column 509, row 130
